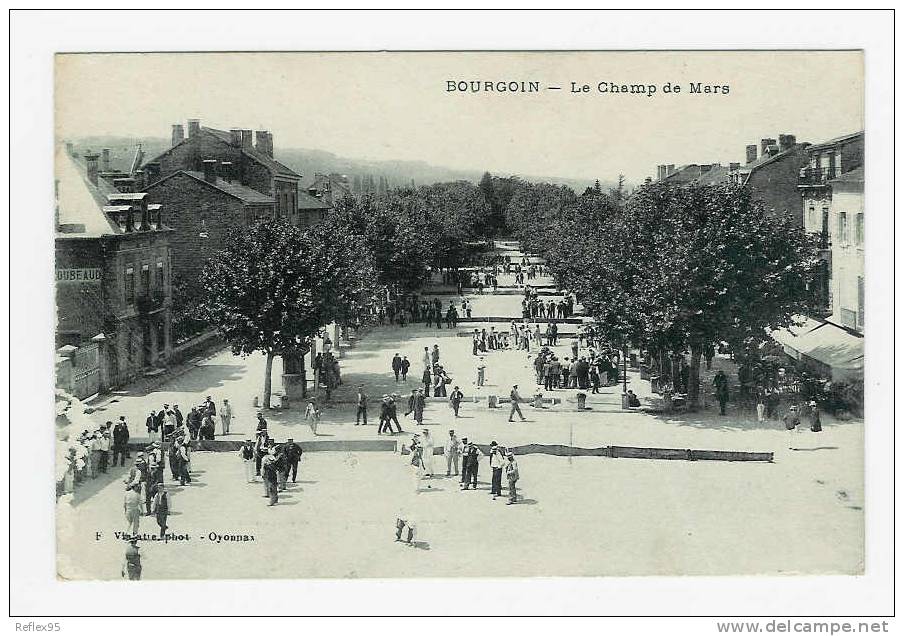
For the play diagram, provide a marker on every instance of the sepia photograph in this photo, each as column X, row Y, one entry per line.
column 453, row 319
column 416, row 325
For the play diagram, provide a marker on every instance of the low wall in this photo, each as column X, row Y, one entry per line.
column 559, row 450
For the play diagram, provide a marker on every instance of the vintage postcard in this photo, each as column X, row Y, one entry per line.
column 459, row 314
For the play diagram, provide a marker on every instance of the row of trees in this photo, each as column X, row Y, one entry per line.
column 277, row 285
column 672, row 269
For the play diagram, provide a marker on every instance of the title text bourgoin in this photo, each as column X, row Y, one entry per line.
column 580, row 88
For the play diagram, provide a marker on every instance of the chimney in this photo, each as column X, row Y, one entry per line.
column 178, row 134
column 210, row 170
column 772, row 150
column 91, row 163
column 765, row 143
column 246, row 139
column 706, row 167
column 786, row 142
column 70, row 149
column 734, row 166
column 660, row 172
column 194, row 127
column 264, row 142
column 105, row 160
column 152, row 172
column 140, row 181
column 226, row 171
column 236, row 137
column 751, row 153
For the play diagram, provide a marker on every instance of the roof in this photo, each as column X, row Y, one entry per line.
column 307, row 202
column 837, row 140
column 244, row 194
column 694, row 173
column 753, row 166
column 80, row 203
column 269, row 162
column 717, row 174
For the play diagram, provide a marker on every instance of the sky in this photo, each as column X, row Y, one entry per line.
column 397, row 106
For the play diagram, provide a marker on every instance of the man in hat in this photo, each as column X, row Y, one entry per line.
column 132, row 506
column 131, row 564
column 151, row 422
column 512, row 475
column 179, row 417
column 497, row 463
column 516, row 407
column 120, row 441
column 282, row 467
column 396, row 366
column 420, row 401
column 161, row 507
column 452, row 451
column 104, row 445
column 792, row 421
column 260, row 449
column 293, row 456
column 209, row 408
column 361, row 410
column 720, row 382
column 269, row 469
column 184, row 463
column 225, row 416
column 261, row 422
column 470, row 463
column 455, row 399
column 406, row 364
column 246, row 452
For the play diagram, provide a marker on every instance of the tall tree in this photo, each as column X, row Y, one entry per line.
column 275, row 285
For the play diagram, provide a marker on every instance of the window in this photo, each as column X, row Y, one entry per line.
column 858, row 230
column 145, row 280
column 825, row 221
column 842, row 228
column 130, row 285
column 811, row 218
column 158, row 283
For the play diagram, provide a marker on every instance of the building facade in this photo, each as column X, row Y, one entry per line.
column 826, row 163
column 113, row 273
column 247, row 163
column 846, row 212
column 203, row 209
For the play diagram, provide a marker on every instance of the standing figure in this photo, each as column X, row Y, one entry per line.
column 455, row 399
column 512, row 475
column 161, row 507
column 132, row 506
column 427, row 456
column 269, row 468
column 361, row 409
column 720, row 382
column 120, row 441
column 481, row 372
column 131, row 564
column 293, row 456
column 420, row 401
column 497, row 463
column 815, row 421
column 312, row 415
column 225, row 416
column 470, row 465
column 792, row 422
column 396, row 366
column 452, row 451
column 246, row 452
column 406, row 364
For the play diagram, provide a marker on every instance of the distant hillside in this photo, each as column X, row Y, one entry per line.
column 307, row 162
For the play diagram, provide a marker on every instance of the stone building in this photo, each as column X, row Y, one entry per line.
column 113, row 277
column 249, row 161
column 203, row 208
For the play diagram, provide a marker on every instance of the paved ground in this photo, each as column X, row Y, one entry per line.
column 802, row 513
column 574, row 519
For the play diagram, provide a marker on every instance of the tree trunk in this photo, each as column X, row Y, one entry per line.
column 268, row 379
column 693, row 378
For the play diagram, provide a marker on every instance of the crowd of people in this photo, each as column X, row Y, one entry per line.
column 200, row 422
column 591, row 371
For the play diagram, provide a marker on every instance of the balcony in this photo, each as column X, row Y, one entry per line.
column 814, row 177
column 149, row 303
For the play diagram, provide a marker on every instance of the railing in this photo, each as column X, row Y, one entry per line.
column 147, row 303
column 816, row 176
